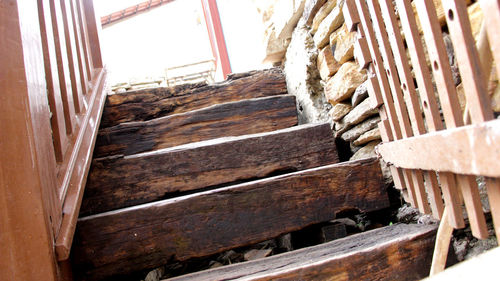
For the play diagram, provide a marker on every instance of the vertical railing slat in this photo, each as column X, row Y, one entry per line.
column 402, row 110
column 383, row 84
column 478, row 102
column 493, row 189
column 440, row 65
column 447, row 95
column 79, row 47
column 84, row 39
column 491, row 12
column 62, row 65
column 93, row 28
column 411, row 97
column 72, row 58
column 53, row 91
column 473, row 78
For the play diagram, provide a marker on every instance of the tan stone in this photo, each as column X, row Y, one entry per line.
column 339, row 110
column 439, row 11
column 495, row 100
column 323, row 12
column 475, row 18
column 333, row 21
column 367, row 137
column 356, row 116
column 283, row 18
column 461, row 96
column 327, row 66
column 312, row 7
column 255, row 254
column 342, row 43
column 367, row 151
column 360, row 129
column 342, row 85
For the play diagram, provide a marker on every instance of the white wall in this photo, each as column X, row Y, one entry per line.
column 144, row 45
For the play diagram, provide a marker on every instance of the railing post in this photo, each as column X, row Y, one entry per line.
column 28, row 201
column 216, row 36
column 93, row 31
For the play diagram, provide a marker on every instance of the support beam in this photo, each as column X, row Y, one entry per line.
column 216, row 35
column 220, row 120
column 148, row 104
column 205, row 223
column 397, row 252
column 118, row 182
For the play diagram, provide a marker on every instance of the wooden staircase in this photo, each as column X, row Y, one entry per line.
column 194, row 170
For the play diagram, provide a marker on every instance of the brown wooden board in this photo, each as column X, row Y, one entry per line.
column 397, row 252
column 153, row 103
column 220, row 120
column 201, row 224
column 126, row 181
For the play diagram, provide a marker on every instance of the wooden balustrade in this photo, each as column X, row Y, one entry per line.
column 423, row 127
column 53, row 92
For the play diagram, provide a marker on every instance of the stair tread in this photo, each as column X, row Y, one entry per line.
column 152, row 103
column 119, row 182
column 227, row 119
column 397, row 252
column 201, row 224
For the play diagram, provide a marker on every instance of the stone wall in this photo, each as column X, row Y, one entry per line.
column 330, row 86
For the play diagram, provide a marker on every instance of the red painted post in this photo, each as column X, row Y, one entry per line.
column 216, row 35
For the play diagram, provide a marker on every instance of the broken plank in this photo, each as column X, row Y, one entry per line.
column 152, row 103
column 205, row 223
column 220, row 120
column 397, row 252
column 119, row 182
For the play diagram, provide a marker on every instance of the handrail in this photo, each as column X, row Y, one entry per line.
column 56, row 90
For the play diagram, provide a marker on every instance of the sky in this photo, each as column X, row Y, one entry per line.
column 242, row 26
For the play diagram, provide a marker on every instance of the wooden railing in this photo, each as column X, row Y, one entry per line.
column 434, row 152
column 53, row 80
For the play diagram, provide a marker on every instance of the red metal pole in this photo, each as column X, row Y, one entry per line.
column 214, row 26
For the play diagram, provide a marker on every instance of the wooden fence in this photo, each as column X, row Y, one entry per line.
column 52, row 84
column 436, row 154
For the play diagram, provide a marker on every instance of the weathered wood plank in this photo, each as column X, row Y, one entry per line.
column 201, row 224
column 116, row 183
column 397, row 252
column 220, row 120
column 157, row 102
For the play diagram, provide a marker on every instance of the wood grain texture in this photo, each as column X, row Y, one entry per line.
column 220, row 120
column 157, row 102
column 126, row 181
column 149, row 235
column 397, row 252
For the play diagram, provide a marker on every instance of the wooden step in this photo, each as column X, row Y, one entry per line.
column 153, row 103
column 220, row 120
column 205, row 223
column 397, row 252
column 119, row 182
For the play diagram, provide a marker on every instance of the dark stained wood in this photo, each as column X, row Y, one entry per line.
column 116, row 183
column 220, row 120
column 149, row 235
column 153, row 103
column 397, row 252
